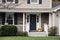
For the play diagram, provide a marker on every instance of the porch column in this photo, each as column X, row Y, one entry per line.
column 53, row 18
column 23, row 21
column 58, row 23
column 13, row 18
column 50, row 19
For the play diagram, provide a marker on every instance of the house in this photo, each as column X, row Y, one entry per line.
column 29, row 15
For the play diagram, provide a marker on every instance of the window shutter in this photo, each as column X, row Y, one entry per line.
column 3, row 1
column 3, row 18
column 15, row 18
column 16, row 1
column 28, row 1
column 40, row 1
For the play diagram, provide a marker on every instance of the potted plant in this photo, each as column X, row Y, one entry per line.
column 40, row 29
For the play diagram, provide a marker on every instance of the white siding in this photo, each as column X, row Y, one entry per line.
column 45, row 4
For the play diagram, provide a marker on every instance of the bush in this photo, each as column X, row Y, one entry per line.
column 0, row 32
column 8, row 30
column 20, row 33
column 52, row 31
column 25, row 34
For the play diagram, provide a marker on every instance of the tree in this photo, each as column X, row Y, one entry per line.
column 7, row 5
column 10, row 5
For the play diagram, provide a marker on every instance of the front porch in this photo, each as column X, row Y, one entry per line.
column 12, row 18
column 36, row 20
column 29, row 21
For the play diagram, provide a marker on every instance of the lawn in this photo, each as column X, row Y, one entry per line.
column 29, row 38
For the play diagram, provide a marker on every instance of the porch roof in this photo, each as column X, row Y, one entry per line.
column 25, row 10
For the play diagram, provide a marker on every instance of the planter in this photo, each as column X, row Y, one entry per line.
column 40, row 29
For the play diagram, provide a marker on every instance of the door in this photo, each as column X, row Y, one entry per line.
column 32, row 22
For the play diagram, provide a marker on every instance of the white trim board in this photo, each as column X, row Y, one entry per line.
column 25, row 10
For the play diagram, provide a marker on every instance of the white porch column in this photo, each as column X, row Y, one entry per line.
column 13, row 18
column 23, row 21
column 50, row 19
column 59, row 23
column 59, row 26
column 27, row 23
column 53, row 18
column 38, row 24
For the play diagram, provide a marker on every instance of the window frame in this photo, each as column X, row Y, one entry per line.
column 34, row 3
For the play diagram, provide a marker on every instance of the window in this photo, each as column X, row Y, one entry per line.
column 28, row 18
column 3, row 1
column 9, row 0
column 6, row 1
column 9, row 18
column 34, row 1
column 37, row 18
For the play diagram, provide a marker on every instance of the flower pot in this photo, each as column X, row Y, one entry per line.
column 40, row 29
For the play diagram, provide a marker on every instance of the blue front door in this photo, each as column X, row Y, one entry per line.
column 32, row 22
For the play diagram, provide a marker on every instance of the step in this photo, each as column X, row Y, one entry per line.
column 37, row 34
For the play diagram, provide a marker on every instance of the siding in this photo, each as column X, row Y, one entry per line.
column 45, row 4
column 20, row 28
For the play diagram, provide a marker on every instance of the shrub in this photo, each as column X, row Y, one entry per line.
column 8, row 30
column 0, row 32
column 52, row 31
column 21, row 33
column 25, row 34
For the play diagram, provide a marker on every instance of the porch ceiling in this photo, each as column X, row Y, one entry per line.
column 25, row 10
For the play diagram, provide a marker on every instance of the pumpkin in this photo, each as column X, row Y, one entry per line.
column 40, row 29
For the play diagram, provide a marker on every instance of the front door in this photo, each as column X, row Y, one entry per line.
column 32, row 22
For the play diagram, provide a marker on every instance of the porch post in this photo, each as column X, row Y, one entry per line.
column 53, row 19
column 59, row 25
column 13, row 18
column 50, row 19
column 23, row 21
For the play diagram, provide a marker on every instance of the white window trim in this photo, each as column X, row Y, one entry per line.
column 9, row 2
column 34, row 3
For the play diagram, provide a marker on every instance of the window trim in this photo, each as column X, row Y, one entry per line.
column 34, row 3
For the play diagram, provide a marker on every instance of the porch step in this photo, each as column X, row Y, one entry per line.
column 37, row 34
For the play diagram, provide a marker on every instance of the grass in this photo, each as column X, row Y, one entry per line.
column 28, row 38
